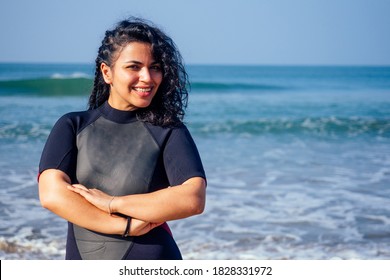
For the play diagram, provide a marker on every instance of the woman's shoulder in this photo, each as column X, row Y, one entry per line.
column 74, row 114
column 162, row 134
column 78, row 119
column 180, row 126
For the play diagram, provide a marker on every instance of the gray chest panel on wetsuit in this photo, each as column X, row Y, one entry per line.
column 118, row 159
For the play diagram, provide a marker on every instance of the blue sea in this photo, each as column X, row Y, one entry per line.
column 297, row 159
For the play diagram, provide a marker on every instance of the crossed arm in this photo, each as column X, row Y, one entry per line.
column 88, row 208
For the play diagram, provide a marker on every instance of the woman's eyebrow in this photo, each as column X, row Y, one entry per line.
column 133, row 61
column 138, row 62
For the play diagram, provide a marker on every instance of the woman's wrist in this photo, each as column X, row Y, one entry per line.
column 109, row 207
column 126, row 233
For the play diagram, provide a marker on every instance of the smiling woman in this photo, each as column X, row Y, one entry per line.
column 120, row 170
column 134, row 78
column 140, row 48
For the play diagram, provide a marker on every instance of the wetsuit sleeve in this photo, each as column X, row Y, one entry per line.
column 181, row 157
column 60, row 150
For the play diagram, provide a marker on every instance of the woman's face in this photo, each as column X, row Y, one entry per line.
column 133, row 78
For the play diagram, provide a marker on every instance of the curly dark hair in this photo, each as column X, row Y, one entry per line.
column 168, row 105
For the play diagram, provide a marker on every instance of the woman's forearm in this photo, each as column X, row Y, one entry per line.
column 172, row 203
column 55, row 196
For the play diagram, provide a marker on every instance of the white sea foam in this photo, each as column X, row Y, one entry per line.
column 305, row 204
column 74, row 75
column 22, row 248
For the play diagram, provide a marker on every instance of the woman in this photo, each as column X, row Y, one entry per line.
column 118, row 171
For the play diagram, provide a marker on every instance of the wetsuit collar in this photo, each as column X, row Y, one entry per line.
column 117, row 115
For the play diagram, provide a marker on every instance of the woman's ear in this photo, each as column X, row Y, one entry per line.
column 106, row 72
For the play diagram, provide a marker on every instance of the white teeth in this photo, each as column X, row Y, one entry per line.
column 143, row 89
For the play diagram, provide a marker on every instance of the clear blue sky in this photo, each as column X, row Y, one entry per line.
column 266, row 32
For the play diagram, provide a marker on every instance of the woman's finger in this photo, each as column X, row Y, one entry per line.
column 79, row 186
column 72, row 188
column 79, row 191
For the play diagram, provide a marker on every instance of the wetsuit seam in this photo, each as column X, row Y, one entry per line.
column 151, row 134
column 89, row 123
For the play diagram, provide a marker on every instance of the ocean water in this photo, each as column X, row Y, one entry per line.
column 297, row 159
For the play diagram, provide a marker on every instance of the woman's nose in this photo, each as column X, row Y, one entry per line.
column 144, row 75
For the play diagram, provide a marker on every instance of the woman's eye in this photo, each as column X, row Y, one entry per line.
column 156, row 68
column 133, row 67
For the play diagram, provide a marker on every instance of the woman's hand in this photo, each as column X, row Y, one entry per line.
column 138, row 227
column 96, row 197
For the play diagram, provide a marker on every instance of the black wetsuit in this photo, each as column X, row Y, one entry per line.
column 111, row 150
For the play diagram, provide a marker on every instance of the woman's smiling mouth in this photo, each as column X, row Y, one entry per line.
column 142, row 89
